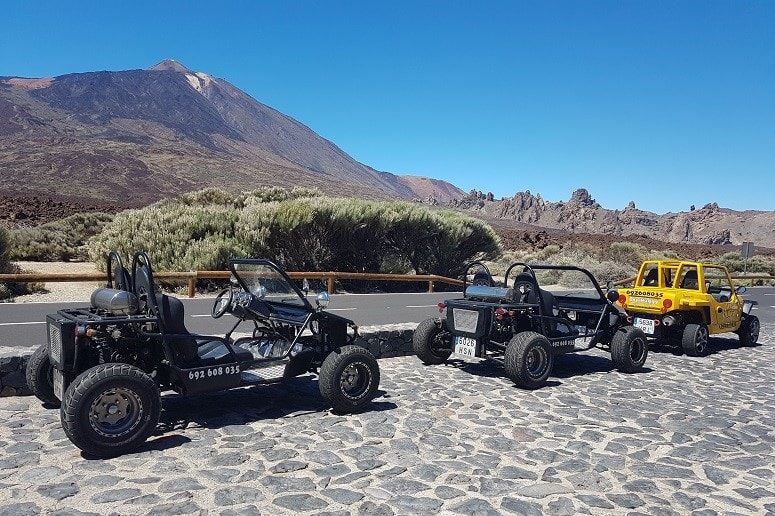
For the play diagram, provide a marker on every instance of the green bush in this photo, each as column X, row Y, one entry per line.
column 8, row 290
column 300, row 229
column 178, row 236
column 61, row 240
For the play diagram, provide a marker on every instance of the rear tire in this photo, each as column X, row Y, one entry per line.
column 529, row 359
column 110, row 409
column 349, row 379
column 425, row 342
column 40, row 378
column 749, row 330
column 629, row 349
column 694, row 340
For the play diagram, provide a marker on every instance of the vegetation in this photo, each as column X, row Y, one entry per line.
column 61, row 240
column 300, row 229
column 616, row 262
column 8, row 290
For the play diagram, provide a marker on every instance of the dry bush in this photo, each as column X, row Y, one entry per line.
column 60, row 240
column 300, row 229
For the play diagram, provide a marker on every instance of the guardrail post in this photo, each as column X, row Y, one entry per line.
column 192, row 285
column 430, row 286
column 330, row 283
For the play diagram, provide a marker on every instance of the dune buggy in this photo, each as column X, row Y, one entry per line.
column 523, row 326
column 108, row 362
column 682, row 303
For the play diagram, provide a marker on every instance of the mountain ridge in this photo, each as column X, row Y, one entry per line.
column 709, row 225
column 174, row 129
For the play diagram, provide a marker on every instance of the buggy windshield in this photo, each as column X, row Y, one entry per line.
column 266, row 282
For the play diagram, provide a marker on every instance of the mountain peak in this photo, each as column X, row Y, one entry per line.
column 169, row 65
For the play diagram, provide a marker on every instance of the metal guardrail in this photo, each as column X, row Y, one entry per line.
column 191, row 278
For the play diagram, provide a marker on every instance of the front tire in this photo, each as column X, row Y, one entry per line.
column 529, row 359
column 110, row 409
column 749, row 330
column 426, row 342
column 40, row 377
column 629, row 349
column 349, row 379
column 694, row 340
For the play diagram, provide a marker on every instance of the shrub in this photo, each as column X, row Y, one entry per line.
column 61, row 240
column 302, row 230
column 8, row 290
column 179, row 236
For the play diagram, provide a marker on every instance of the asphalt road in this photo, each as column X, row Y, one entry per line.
column 23, row 324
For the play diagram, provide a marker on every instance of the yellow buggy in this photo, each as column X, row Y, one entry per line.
column 682, row 303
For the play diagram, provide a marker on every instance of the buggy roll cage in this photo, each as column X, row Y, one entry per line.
column 530, row 269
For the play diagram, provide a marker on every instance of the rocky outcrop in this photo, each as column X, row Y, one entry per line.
column 710, row 224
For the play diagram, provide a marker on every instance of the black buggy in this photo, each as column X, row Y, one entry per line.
column 108, row 362
column 523, row 326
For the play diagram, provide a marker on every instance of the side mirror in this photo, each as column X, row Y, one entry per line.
column 322, row 300
column 609, row 284
column 305, row 286
column 741, row 289
column 612, row 295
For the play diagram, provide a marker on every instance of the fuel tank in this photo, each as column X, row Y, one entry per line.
column 118, row 302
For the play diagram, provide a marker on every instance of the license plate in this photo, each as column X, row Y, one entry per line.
column 465, row 346
column 647, row 325
column 59, row 383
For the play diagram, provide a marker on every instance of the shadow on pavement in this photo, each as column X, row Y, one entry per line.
column 296, row 397
column 715, row 345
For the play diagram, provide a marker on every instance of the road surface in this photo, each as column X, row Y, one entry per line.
column 23, row 324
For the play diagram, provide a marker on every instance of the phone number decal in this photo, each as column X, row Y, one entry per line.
column 212, row 372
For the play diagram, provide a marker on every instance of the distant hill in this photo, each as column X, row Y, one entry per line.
column 709, row 225
column 132, row 137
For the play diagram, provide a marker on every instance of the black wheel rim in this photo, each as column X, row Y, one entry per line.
column 536, row 361
column 440, row 344
column 753, row 332
column 355, row 380
column 637, row 350
column 701, row 340
column 115, row 412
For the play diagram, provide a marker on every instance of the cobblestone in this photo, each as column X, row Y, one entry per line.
column 687, row 436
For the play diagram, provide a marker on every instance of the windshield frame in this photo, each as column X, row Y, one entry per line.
column 278, row 269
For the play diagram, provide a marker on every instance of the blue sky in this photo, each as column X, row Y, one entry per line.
column 665, row 103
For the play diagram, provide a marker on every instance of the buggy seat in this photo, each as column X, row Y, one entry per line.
column 547, row 298
column 190, row 350
column 194, row 350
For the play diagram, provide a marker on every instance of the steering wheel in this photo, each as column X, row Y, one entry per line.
column 222, row 303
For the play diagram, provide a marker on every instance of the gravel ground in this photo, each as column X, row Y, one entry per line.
column 689, row 436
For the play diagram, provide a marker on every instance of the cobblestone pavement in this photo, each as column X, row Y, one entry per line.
column 689, row 436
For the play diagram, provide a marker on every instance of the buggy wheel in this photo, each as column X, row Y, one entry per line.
column 110, row 409
column 629, row 349
column 694, row 340
column 749, row 330
column 529, row 359
column 428, row 342
column 40, row 377
column 349, row 378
